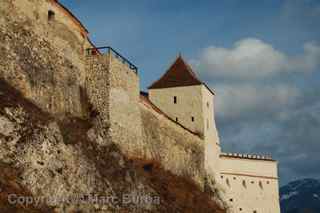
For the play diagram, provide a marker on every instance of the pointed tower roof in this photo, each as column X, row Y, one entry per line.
column 179, row 74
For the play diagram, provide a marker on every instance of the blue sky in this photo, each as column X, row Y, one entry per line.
column 262, row 58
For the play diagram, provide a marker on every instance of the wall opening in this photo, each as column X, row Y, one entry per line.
column 244, row 184
column 260, row 184
column 228, row 182
column 51, row 15
column 192, row 119
column 175, row 99
column 148, row 167
column 176, row 119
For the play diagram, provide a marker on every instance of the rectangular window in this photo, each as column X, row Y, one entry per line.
column 51, row 15
column 175, row 99
column 192, row 119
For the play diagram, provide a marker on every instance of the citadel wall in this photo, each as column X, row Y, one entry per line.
column 212, row 141
column 251, row 183
column 97, row 86
column 42, row 58
column 177, row 149
column 125, row 117
column 46, row 61
column 135, row 125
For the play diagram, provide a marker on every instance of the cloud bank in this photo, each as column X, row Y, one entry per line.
column 261, row 108
column 252, row 58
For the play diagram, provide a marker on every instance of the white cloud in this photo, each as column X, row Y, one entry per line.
column 252, row 58
column 238, row 100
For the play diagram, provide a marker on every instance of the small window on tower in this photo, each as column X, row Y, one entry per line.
column 51, row 15
column 176, row 119
column 192, row 119
column 175, row 99
column 208, row 105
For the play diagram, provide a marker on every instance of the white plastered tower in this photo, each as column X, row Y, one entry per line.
column 190, row 102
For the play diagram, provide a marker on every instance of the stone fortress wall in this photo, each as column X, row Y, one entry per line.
column 250, row 182
column 43, row 58
column 47, row 61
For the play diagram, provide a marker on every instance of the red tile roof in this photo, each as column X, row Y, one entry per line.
column 179, row 74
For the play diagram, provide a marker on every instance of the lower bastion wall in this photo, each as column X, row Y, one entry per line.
column 250, row 185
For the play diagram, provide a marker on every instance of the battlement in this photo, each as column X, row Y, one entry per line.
column 247, row 156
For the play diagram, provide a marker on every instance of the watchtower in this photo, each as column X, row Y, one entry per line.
column 184, row 98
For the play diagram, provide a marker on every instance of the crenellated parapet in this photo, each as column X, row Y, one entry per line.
column 247, row 156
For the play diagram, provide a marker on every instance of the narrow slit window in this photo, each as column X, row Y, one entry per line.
column 244, row 184
column 207, row 123
column 260, row 184
column 51, row 15
column 176, row 119
column 175, row 99
column 192, row 119
column 228, row 182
